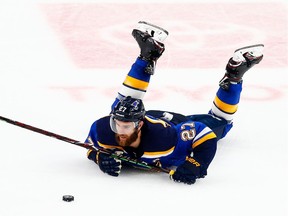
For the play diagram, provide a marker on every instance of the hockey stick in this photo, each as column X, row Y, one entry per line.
column 139, row 164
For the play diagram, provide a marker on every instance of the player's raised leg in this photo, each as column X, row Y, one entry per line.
column 227, row 97
column 148, row 38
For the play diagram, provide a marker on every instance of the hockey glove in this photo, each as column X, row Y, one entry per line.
column 187, row 172
column 106, row 163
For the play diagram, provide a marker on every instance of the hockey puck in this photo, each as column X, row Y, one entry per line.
column 68, row 198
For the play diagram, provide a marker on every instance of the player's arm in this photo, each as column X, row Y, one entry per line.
column 204, row 147
column 196, row 166
column 106, row 162
column 204, row 154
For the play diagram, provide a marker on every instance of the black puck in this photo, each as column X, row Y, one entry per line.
column 68, row 198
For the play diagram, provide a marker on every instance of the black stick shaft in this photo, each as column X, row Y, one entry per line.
column 84, row 145
column 47, row 133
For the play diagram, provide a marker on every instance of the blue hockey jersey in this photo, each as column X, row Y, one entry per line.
column 161, row 141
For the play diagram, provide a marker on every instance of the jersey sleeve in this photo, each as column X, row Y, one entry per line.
column 199, row 140
column 92, row 139
column 204, row 145
column 92, row 135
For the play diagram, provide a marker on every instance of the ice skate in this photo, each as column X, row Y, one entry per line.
column 149, row 38
column 159, row 34
column 243, row 59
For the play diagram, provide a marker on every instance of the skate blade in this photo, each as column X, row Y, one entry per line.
column 255, row 50
column 159, row 34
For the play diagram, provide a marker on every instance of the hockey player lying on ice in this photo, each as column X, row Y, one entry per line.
column 186, row 143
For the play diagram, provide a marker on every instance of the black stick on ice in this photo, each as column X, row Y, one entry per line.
column 138, row 163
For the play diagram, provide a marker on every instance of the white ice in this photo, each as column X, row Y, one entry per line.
column 247, row 177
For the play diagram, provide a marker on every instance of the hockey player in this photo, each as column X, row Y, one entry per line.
column 186, row 144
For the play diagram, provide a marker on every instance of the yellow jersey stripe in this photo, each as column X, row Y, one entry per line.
column 158, row 154
column 208, row 136
column 109, row 146
column 89, row 151
column 136, row 83
column 228, row 108
column 157, row 121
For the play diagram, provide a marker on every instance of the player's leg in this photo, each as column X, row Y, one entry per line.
column 228, row 95
column 137, row 80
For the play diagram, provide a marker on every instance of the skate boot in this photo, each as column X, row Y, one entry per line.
column 242, row 60
column 149, row 38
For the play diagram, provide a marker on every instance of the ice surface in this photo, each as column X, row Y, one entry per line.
column 42, row 86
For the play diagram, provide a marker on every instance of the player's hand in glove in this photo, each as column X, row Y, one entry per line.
column 187, row 172
column 106, row 162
